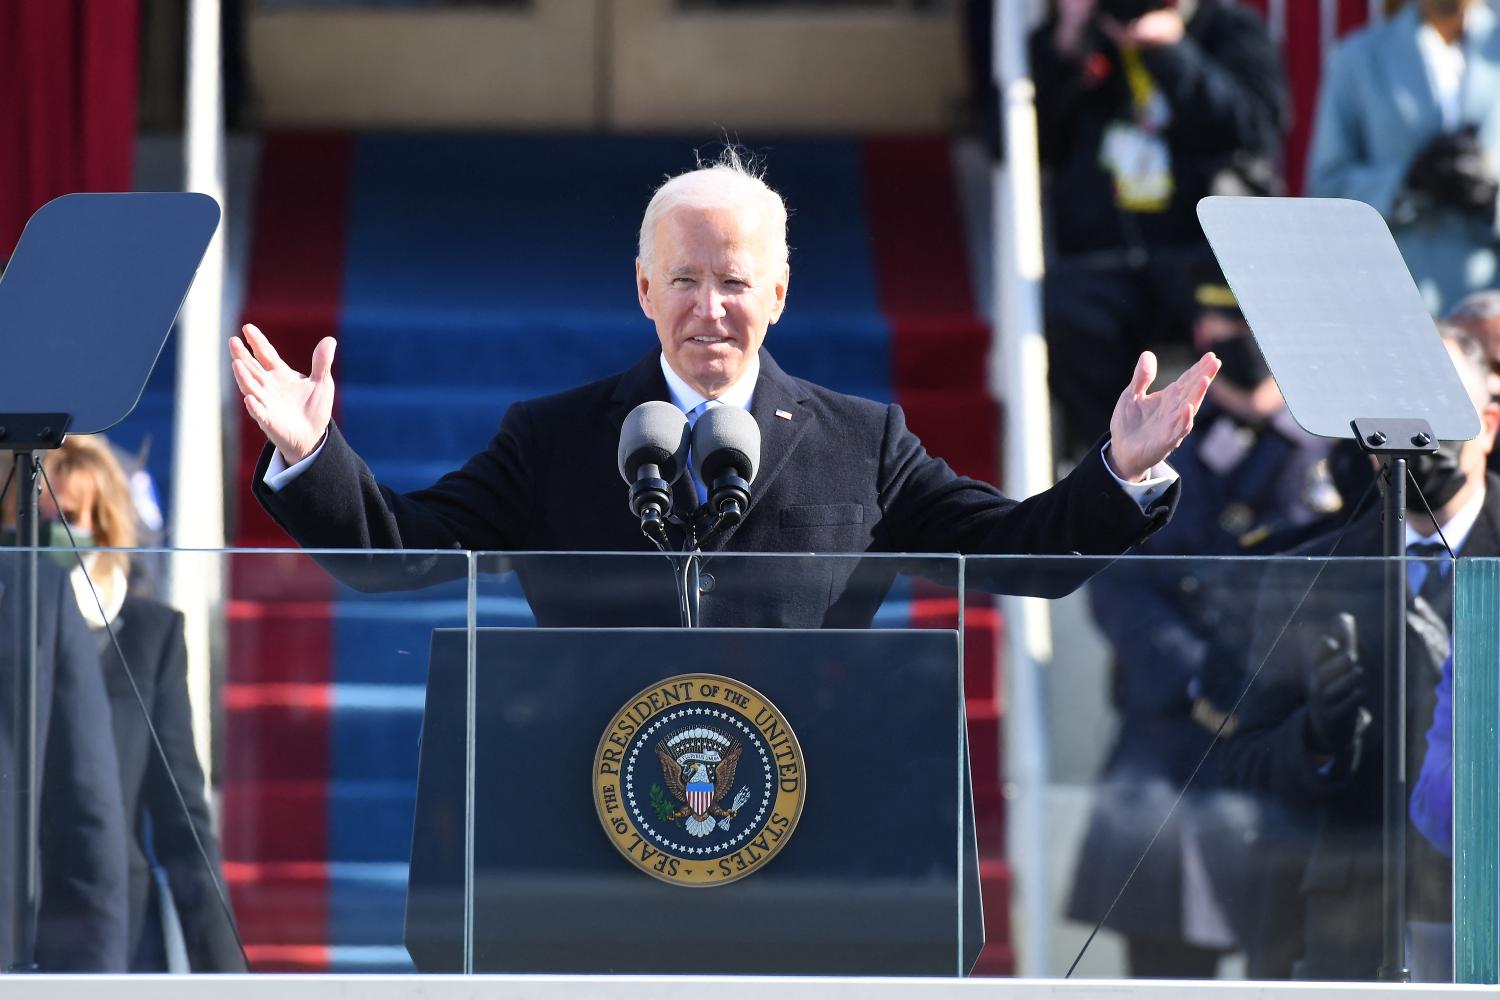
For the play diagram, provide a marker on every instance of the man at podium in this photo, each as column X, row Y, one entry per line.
column 839, row 474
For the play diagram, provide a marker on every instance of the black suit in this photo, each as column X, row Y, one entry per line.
column 81, row 926
column 841, row 475
column 1341, row 882
column 151, row 637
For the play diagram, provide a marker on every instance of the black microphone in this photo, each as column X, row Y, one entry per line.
column 652, row 455
column 726, row 452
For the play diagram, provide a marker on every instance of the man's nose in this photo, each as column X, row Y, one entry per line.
column 710, row 304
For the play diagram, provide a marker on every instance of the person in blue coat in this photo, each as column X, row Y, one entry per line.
column 1408, row 121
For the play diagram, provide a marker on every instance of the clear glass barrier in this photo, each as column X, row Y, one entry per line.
column 391, row 790
column 1195, row 753
column 299, row 697
column 793, row 763
column 323, row 731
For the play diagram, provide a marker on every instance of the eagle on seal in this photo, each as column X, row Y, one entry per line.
column 698, row 766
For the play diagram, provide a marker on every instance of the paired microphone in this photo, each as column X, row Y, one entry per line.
column 726, row 452
column 652, row 455
column 655, row 447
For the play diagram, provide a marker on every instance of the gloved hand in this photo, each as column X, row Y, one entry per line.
column 1453, row 170
column 1335, row 686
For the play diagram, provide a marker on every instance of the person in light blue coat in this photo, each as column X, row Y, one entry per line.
column 1409, row 121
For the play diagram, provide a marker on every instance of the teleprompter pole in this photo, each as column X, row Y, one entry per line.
column 25, row 812
column 1394, row 442
column 1393, row 745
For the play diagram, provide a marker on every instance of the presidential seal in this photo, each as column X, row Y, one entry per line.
column 699, row 780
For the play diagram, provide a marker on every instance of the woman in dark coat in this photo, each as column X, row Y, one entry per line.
column 164, row 833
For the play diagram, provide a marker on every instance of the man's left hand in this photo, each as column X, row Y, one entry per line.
column 1146, row 426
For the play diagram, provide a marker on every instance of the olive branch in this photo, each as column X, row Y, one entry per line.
column 660, row 804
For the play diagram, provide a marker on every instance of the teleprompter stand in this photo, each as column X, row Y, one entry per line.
column 86, row 304
column 1356, row 354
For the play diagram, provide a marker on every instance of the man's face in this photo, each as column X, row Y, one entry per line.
column 1475, row 452
column 1487, row 332
column 713, row 288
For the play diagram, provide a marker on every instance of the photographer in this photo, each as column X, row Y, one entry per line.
column 1144, row 107
column 1406, row 123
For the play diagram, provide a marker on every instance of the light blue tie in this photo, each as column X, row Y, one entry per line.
column 692, row 417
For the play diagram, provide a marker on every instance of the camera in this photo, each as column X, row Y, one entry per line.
column 1125, row 11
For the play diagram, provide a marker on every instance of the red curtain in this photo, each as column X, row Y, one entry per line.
column 68, row 76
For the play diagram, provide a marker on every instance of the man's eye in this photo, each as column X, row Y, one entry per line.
column 682, row 282
column 734, row 283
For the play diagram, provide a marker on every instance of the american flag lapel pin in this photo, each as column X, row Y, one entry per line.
column 783, row 415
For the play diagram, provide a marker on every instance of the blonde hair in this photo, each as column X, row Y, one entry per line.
column 113, row 513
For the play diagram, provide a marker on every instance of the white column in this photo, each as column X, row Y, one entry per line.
column 197, row 582
column 1276, row 20
column 1328, row 28
column 1018, row 376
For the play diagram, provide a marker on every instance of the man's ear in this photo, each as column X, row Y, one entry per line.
column 780, row 290
column 643, row 288
column 1489, row 423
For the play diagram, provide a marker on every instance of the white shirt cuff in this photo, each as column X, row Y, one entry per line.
column 279, row 475
column 1159, row 478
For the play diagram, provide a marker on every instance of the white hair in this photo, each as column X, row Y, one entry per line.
column 1475, row 308
column 730, row 181
column 1476, row 367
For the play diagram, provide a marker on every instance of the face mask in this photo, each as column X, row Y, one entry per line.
column 1438, row 476
column 51, row 534
column 1243, row 365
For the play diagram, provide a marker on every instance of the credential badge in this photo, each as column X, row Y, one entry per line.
column 699, row 780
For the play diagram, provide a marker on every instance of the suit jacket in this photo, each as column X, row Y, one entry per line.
column 1376, row 111
column 1341, row 883
column 151, row 637
column 842, row 475
column 81, row 926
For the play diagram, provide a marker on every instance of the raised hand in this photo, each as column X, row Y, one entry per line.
column 291, row 408
column 1146, row 426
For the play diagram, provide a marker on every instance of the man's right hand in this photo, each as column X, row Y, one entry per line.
column 291, row 408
